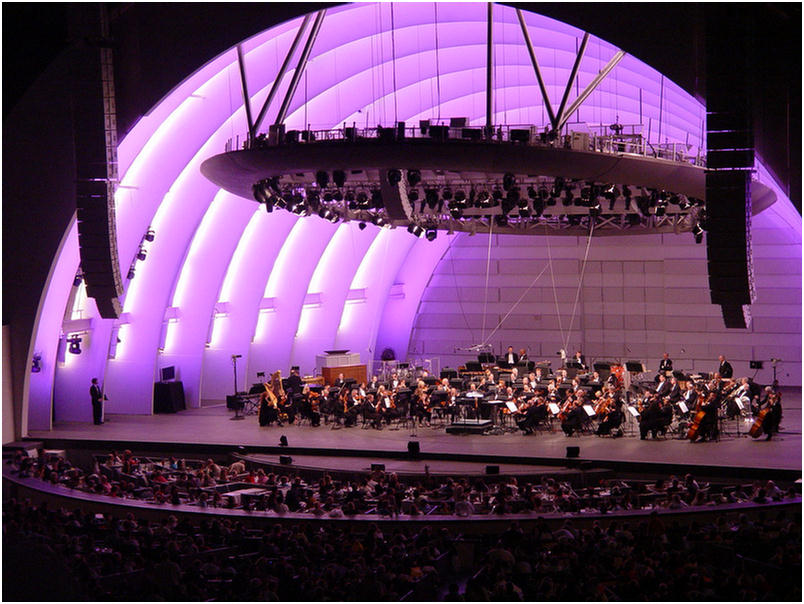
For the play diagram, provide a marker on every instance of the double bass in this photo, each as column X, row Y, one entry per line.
column 695, row 425
column 758, row 427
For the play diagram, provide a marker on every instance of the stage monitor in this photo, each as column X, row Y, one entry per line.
column 602, row 366
column 486, row 357
column 168, row 373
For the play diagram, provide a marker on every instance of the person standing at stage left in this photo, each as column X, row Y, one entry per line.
column 98, row 397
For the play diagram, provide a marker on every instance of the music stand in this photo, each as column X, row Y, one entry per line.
column 486, row 358
column 634, row 367
column 236, row 403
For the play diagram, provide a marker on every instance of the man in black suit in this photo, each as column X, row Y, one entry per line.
column 294, row 381
column 674, row 395
column 580, row 359
column 97, row 402
column 510, row 357
column 725, row 369
column 666, row 364
column 663, row 387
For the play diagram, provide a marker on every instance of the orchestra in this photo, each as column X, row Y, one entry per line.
column 515, row 395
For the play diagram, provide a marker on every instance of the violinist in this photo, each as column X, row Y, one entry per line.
column 575, row 416
column 387, row 408
column 650, row 418
column 531, row 413
column 663, row 387
column 690, row 399
column 674, row 394
column 611, row 416
column 374, row 384
column 351, row 408
column 372, row 411
column 312, row 403
column 595, row 380
column 741, row 393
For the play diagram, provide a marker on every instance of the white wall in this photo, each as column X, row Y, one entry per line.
column 641, row 296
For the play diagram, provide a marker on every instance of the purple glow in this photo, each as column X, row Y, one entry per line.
column 204, row 253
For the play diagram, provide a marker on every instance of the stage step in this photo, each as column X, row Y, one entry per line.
column 469, row 426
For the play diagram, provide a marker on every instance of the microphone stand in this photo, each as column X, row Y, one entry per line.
column 237, row 402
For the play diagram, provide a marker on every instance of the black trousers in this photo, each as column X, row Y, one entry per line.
column 97, row 412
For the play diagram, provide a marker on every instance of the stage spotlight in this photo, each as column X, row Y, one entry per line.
column 394, row 177
column 379, row 220
column 149, row 235
column 337, row 196
column 432, row 199
column 362, row 225
column 362, row 200
column 567, row 200
column 130, row 275
column 78, row 278
column 558, row 186
column 259, row 193
column 339, row 178
column 538, row 207
column 455, row 212
column 322, row 179
column 460, row 198
column 661, row 208
column 594, row 209
column 496, row 196
column 36, row 363
column 329, row 215
column 416, row 230
column 313, row 200
column 414, row 177
column 483, row 200
column 75, row 345
column 141, row 254
column 509, row 180
column 446, row 193
column 300, row 209
column 431, row 234
column 376, row 199
column 684, row 203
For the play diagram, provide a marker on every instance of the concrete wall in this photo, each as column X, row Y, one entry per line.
column 641, row 296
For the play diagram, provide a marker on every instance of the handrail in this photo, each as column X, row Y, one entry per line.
column 598, row 138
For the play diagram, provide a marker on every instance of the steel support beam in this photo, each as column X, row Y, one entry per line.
column 294, row 82
column 526, row 35
column 591, row 87
column 241, row 65
column 581, row 51
column 489, row 65
column 280, row 76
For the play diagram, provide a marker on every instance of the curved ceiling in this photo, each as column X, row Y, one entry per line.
column 223, row 278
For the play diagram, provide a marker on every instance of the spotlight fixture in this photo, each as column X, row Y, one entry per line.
column 558, row 186
column 300, row 208
column 379, row 220
column 78, row 279
column 339, row 178
column 483, row 200
column 413, row 195
column 446, row 193
column 130, row 275
column 509, row 180
column 322, row 179
column 432, row 199
column 376, row 199
column 141, row 254
column 394, row 177
column 414, row 177
column 329, row 215
column 362, row 200
column 460, row 198
column 313, row 200
column 362, row 225
column 684, row 202
column 431, row 234
column 75, row 344
column 416, row 230
column 594, row 208
column 337, row 195
column 149, row 235
column 456, row 212
column 36, row 363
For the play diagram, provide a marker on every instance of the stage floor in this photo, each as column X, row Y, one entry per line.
column 212, row 425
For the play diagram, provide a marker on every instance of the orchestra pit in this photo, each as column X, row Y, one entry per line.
column 402, row 302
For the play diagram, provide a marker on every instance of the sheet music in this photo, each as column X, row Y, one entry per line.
column 553, row 408
column 511, row 407
column 633, row 411
column 589, row 410
column 682, row 405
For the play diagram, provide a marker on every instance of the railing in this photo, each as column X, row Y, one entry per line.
column 610, row 139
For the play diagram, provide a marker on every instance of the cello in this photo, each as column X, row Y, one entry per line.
column 695, row 425
column 757, row 428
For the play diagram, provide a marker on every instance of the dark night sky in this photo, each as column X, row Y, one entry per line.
column 670, row 37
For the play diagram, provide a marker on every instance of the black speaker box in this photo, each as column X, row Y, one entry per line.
column 378, row 467
column 573, row 451
column 285, row 460
column 413, row 447
column 492, row 469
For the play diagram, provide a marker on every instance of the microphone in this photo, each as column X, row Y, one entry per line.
column 237, row 356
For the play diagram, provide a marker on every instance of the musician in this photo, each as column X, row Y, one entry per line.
column 774, row 418
column 662, row 386
column 724, row 369
column 530, row 413
column 689, row 398
column 374, row 384
column 340, row 382
column 674, row 394
column 387, row 408
column 523, row 355
column 311, row 401
column 580, row 359
column 394, row 382
column 268, row 411
column 97, row 396
column 294, row 381
column 287, row 408
column 536, row 377
column 611, row 417
column 651, row 418
column 760, row 402
column 708, row 427
column 510, row 357
column 595, row 380
column 371, row 411
column 352, row 408
column 666, row 364
column 742, row 393
column 575, row 416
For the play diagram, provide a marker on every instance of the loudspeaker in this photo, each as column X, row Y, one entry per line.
column 413, row 447
column 573, row 451
column 378, row 467
column 492, row 469
column 285, row 460
column 755, row 364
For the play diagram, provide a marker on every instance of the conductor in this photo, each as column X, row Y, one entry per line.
column 97, row 402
